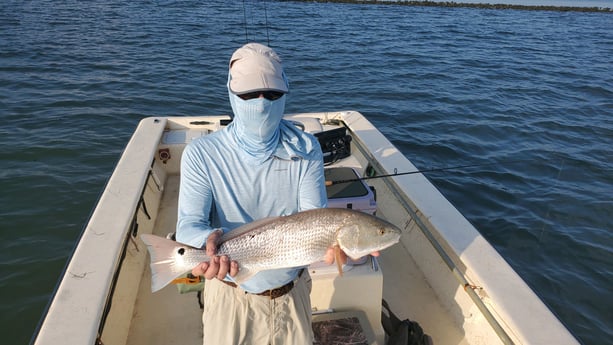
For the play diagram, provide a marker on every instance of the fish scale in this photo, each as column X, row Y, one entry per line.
column 298, row 246
column 277, row 242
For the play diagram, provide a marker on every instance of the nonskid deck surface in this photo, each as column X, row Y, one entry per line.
column 168, row 317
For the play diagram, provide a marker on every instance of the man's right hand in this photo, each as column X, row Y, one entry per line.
column 219, row 266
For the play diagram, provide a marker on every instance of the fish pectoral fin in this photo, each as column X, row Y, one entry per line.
column 339, row 260
column 244, row 274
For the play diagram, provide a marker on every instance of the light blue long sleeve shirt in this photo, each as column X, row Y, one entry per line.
column 223, row 187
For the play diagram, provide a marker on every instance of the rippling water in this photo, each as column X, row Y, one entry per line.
column 449, row 86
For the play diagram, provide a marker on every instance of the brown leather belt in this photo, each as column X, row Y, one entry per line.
column 272, row 293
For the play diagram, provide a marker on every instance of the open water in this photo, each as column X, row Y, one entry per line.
column 448, row 86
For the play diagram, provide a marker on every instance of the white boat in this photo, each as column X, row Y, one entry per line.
column 443, row 274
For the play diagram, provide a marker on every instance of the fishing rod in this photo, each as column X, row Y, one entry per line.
column 245, row 21
column 251, row 15
column 266, row 16
column 330, row 183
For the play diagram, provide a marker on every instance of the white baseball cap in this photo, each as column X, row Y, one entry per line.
column 256, row 67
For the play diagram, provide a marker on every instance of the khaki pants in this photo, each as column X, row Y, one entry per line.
column 233, row 317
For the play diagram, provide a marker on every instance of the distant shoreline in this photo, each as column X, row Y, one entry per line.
column 469, row 5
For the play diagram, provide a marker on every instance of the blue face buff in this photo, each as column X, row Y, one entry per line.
column 256, row 124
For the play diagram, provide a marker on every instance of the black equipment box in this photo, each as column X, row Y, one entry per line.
column 335, row 144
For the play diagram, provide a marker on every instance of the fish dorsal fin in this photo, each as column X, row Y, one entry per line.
column 246, row 228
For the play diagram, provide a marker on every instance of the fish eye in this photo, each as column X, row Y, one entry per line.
column 181, row 251
column 381, row 231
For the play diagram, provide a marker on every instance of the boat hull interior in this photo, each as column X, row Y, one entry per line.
column 442, row 274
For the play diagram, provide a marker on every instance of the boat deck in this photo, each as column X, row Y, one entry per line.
column 405, row 289
column 410, row 297
column 157, row 318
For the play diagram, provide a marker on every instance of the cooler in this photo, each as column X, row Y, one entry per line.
column 355, row 194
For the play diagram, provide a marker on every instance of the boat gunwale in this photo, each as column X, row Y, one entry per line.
column 84, row 289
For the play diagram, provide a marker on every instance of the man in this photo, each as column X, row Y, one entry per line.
column 258, row 166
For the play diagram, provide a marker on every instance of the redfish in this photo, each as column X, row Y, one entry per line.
column 296, row 240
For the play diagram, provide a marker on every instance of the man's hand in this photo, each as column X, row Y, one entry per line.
column 219, row 266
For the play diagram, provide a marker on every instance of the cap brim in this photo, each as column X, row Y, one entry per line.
column 257, row 82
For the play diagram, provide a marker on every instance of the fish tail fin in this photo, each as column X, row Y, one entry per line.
column 163, row 267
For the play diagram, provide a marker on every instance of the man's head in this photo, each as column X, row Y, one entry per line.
column 255, row 67
column 257, row 86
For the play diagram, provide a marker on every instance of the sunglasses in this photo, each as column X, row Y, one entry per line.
column 269, row 95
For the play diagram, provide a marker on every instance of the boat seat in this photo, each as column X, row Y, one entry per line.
column 329, row 292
